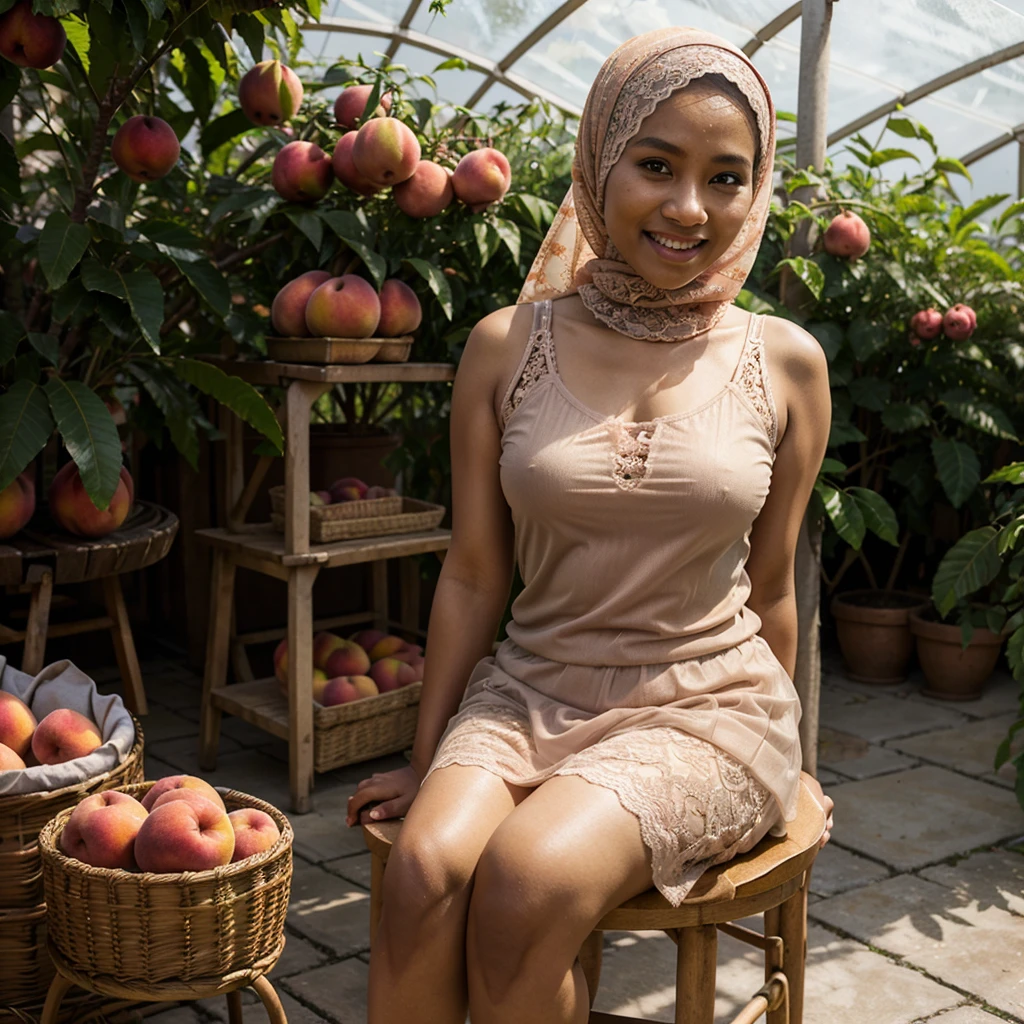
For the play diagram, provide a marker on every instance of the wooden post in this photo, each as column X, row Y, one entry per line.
column 696, row 967
column 40, row 578
column 300, row 681
column 218, row 640
column 301, row 395
column 811, row 142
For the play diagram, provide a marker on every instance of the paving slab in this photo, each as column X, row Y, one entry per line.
column 1000, row 695
column 163, row 724
column 989, row 878
column 329, row 911
column 961, row 1015
column 837, row 678
column 837, row 870
column 870, row 761
column 827, row 777
column 338, row 991
column 296, row 1012
column 325, row 836
column 968, row 748
column 921, row 816
column 299, row 955
column 888, row 717
column 176, row 1015
column 356, row 868
column 980, row 950
column 183, row 752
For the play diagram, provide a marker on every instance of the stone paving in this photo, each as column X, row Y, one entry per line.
column 917, row 905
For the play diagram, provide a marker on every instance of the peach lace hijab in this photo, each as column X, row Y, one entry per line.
column 577, row 255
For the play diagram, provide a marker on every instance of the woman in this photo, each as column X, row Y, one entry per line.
column 619, row 436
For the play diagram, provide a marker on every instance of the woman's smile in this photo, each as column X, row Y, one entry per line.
column 674, row 249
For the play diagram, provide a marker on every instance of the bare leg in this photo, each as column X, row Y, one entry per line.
column 418, row 963
column 538, row 892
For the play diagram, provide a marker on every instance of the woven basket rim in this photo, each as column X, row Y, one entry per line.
column 6, row 802
column 51, row 831
column 361, row 710
column 27, row 913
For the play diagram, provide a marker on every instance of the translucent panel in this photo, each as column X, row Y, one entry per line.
column 996, row 172
column 995, row 95
column 452, row 86
column 327, row 48
column 498, row 93
column 387, row 11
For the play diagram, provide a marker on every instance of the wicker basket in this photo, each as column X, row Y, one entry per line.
column 24, row 814
column 25, row 966
column 414, row 515
column 145, row 932
column 362, row 729
column 319, row 514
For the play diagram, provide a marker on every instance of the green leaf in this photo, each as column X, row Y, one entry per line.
column 250, row 28
column 1012, row 473
column 25, row 427
column 12, row 330
column 970, row 564
column 209, row 282
column 902, row 126
column 879, row 516
column 139, row 288
column 241, row 398
column 958, row 469
column 845, row 514
column 809, row 273
column 61, row 246
column 309, row 224
column 137, row 16
column 223, row 129
column 452, row 63
column 869, row 393
column 487, row 240
column 843, row 432
column 866, row 338
column 438, row 283
column 1015, row 657
column 884, row 156
column 830, row 337
column 90, row 436
column 1013, row 210
column 46, row 345
column 10, row 80
column 899, row 417
column 833, row 466
column 352, row 233
column 983, row 416
column 949, row 165
column 510, row 235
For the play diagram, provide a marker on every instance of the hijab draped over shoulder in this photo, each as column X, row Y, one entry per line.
column 577, row 255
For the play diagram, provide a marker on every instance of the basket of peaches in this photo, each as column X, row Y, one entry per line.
column 366, row 694
column 162, row 884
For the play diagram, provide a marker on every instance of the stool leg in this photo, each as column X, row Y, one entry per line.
column 38, row 620
column 696, row 965
column 275, row 1011
column 376, row 895
column 124, row 646
column 590, row 961
column 235, row 1007
column 51, row 1009
column 791, row 925
column 222, row 597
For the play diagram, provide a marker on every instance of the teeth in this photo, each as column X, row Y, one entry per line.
column 670, row 243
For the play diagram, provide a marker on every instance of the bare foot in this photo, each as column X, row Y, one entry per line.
column 825, row 802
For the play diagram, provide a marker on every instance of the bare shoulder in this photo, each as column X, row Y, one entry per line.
column 796, row 352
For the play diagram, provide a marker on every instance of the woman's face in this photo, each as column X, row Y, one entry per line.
column 683, row 187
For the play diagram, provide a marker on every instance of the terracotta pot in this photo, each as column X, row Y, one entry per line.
column 874, row 633
column 953, row 673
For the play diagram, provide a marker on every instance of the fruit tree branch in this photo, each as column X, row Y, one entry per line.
column 84, row 193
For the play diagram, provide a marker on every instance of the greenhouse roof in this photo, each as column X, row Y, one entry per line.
column 955, row 65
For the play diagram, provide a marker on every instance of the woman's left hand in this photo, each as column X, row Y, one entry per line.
column 827, row 804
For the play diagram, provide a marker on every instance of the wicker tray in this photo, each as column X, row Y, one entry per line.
column 340, row 350
column 414, row 515
column 362, row 729
column 24, row 814
column 140, row 932
column 388, row 506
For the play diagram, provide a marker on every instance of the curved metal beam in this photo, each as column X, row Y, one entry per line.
column 551, row 22
column 913, row 95
column 773, row 28
column 410, row 13
column 424, row 42
column 1014, row 134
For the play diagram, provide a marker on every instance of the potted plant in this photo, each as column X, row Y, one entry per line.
column 924, row 390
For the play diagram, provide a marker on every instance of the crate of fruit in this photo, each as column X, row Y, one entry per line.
column 166, row 884
column 366, row 695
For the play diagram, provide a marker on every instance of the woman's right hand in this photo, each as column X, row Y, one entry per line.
column 393, row 792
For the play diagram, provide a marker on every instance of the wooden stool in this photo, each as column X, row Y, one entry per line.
column 772, row 880
column 169, row 991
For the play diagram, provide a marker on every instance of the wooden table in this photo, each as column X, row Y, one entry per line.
column 291, row 557
column 37, row 559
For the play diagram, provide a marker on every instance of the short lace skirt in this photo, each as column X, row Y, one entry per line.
column 697, row 804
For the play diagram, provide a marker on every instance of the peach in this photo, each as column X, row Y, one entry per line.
column 400, row 309
column 847, row 236
column 408, row 654
column 345, row 170
column 102, row 830
column 255, row 831
column 302, row 172
column 343, row 307
column 64, row 735
column 482, row 177
column 281, row 661
column 416, row 664
column 365, row 686
column 172, row 782
column 315, row 500
column 180, row 837
column 72, row 509
column 926, row 324
column 338, row 691
column 349, row 488
column 348, row 659
column 366, row 638
column 390, row 674
column 288, row 310
column 959, row 323
column 324, row 645
column 351, row 102
column 17, row 723
column 324, row 496
column 194, row 797
column 9, row 760
column 427, row 192
column 386, row 151
column 376, row 491
column 17, row 504
column 319, row 682
column 145, row 148
column 385, row 647
column 270, row 93
column 31, row 40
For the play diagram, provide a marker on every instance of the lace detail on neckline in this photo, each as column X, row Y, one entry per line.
column 538, row 363
column 632, row 446
column 753, row 382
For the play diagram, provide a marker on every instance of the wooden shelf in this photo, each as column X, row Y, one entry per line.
column 269, row 371
column 263, row 544
column 259, row 703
